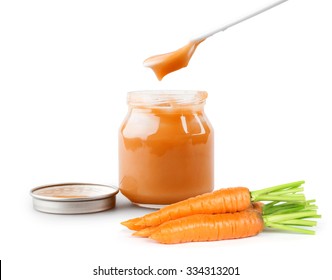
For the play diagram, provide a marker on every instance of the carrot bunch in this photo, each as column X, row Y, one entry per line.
column 227, row 214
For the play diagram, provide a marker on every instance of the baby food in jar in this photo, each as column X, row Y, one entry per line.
column 165, row 148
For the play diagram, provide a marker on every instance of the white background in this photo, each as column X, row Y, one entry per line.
column 65, row 69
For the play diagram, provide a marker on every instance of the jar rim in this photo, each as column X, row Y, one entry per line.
column 166, row 98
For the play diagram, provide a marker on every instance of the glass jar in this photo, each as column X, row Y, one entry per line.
column 165, row 148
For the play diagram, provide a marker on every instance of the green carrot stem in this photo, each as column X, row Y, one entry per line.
column 316, row 216
column 283, row 210
column 289, row 215
column 305, row 223
column 290, row 228
column 280, row 203
column 292, row 190
column 299, row 222
column 290, row 210
column 290, row 197
column 287, row 207
column 277, row 188
column 270, row 204
column 284, row 217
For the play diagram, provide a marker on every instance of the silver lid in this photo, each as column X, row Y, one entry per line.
column 74, row 198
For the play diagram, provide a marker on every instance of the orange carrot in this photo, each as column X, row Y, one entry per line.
column 212, row 227
column 220, row 201
column 146, row 232
column 258, row 206
column 205, row 227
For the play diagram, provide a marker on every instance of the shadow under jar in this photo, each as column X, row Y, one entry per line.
column 165, row 148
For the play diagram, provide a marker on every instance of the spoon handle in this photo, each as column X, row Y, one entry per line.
column 202, row 37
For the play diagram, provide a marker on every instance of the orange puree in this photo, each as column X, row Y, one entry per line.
column 165, row 148
column 164, row 64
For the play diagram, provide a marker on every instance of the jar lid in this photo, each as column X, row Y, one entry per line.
column 74, row 198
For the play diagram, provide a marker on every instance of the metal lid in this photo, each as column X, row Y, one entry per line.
column 74, row 198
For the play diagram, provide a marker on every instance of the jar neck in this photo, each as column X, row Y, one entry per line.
column 167, row 100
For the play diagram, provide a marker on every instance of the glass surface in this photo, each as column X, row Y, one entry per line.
column 165, row 147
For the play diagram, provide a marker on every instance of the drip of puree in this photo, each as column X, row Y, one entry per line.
column 164, row 64
column 165, row 149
